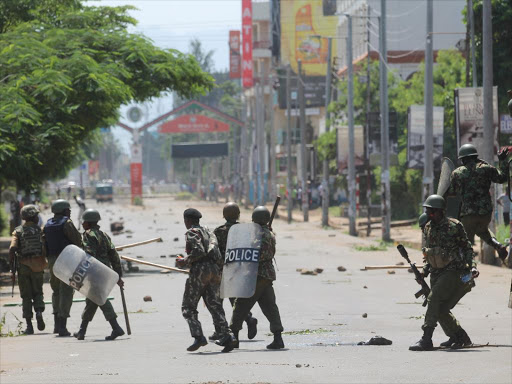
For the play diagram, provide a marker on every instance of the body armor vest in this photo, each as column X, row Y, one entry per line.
column 30, row 241
column 54, row 233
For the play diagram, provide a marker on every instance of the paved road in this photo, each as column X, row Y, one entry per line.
column 323, row 312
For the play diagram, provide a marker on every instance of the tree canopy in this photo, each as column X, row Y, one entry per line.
column 65, row 69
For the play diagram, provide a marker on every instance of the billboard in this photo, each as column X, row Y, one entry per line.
column 304, row 33
column 374, row 138
column 193, row 124
column 247, row 80
column 199, row 150
column 416, row 136
column 469, row 117
column 235, row 70
column 343, row 149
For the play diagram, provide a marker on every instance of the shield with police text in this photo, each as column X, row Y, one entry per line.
column 241, row 261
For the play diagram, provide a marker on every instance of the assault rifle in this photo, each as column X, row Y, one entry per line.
column 14, row 268
column 425, row 289
column 274, row 211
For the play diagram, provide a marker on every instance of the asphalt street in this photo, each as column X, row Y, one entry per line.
column 322, row 316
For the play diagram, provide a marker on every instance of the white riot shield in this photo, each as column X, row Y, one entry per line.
column 241, row 261
column 84, row 273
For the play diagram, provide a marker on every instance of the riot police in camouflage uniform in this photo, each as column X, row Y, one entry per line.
column 231, row 213
column 27, row 245
column 264, row 294
column 59, row 232
column 448, row 257
column 472, row 181
column 98, row 244
column 203, row 281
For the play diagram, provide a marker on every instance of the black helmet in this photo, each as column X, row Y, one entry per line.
column 60, row 205
column 231, row 211
column 261, row 215
column 435, row 201
column 192, row 213
column 467, row 150
column 91, row 216
column 423, row 220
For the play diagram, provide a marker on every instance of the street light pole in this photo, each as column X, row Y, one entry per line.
column 428, row 173
column 305, row 202
column 289, row 144
column 325, row 165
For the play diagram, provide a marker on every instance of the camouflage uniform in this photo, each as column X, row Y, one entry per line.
column 472, row 182
column 203, row 281
column 264, row 294
column 62, row 297
column 98, row 245
column 449, row 256
column 31, row 264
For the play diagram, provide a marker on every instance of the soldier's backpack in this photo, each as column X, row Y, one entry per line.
column 211, row 247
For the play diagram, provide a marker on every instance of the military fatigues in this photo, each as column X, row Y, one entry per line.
column 264, row 294
column 60, row 232
column 98, row 245
column 203, row 281
column 472, row 182
column 27, row 243
column 449, row 257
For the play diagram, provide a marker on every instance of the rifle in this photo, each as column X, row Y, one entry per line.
column 14, row 268
column 425, row 289
column 274, row 211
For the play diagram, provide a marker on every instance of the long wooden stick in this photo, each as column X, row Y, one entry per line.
column 156, row 239
column 128, row 329
column 153, row 264
column 369, row 267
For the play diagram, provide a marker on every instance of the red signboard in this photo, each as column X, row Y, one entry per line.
column 94, row 167
column 234, row 55
column 136, row 180
column 247, row 80
column 193, row 124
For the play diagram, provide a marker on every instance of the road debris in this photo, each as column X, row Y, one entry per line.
column 376, row 340
column 147, row 298
column 342, row 268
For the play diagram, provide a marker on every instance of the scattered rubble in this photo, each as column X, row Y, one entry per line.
column 376, row 340
column 147, row 298
column 400, row 263
column 365, row 315
column 342, row 268
column 176, row 239
column 308, row 272
column 319, row 270
column 391, row 272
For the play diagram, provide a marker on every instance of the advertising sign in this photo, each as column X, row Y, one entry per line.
column 193, row 124
column 506, row 124
column 416, row 136
column 247, row 80
column 469, row 117
column 343, row 148
column 136, row 180
column 94, row 169
column 235, row 70
column 199, row 150
column 374, row 139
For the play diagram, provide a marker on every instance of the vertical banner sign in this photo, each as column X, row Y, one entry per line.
column 234, row 55
column 247, row 80
column 136, row 167
column 416, row 136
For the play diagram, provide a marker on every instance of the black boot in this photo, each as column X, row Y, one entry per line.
column 198, row 342
column 425, row 343
column 278, row 342
column 448, row 343
column 462, row 339
column 226, row 341
column 56, row 325
column 236, row 342
column 252, row 327
column 500, row 248
column 80, row 335
column 215, row 335
column 30, row 328
column 40, row 322
column 116, row 330
column 63, row 331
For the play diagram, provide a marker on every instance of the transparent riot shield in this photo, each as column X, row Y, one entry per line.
column 84, row 273
column 447, row 167
column 241, row 261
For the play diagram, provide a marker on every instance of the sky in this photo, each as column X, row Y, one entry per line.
column 172, row 24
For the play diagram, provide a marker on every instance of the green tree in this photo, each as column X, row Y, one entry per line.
column 65, row 69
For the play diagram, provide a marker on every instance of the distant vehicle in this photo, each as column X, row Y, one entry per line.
column 104, row 192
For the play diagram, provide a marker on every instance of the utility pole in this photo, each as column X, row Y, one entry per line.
column 351, row 151
column 305, row 202
column 428, row 172
column 488, row 155
column 325, row 165
column 368, row 107
column 273, row 186
column 289, row 144
column 260, row 108
column 384, row 128
column 471, row 19
column 244, row 158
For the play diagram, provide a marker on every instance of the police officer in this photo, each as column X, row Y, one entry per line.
column 448, row 257
column 472, row 181
column 231, row 213
column 27, row 245
column 98, row 244
column 60, row 232
column 203, row 281
column 264, row 294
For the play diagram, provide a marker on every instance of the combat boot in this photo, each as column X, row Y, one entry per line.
column 215, row 335
column 198, row 342
column 116, row 330
column 425, row 343
column 278, row 342
column 40, row 322
column 63, row 331
column 30, row 328
column 80, row 335
column 462, row 340
column 500, row 248
column 226, row 342
column 56, row 325
column 236, row 341
column 252, row 327
column 448, row 343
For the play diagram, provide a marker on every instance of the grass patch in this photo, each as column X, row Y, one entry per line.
column 137, row 201
column 9, row 333
column 502, row 233
column 184, row 196
column 383, row 245
column 306, row 332
column 335, row 211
